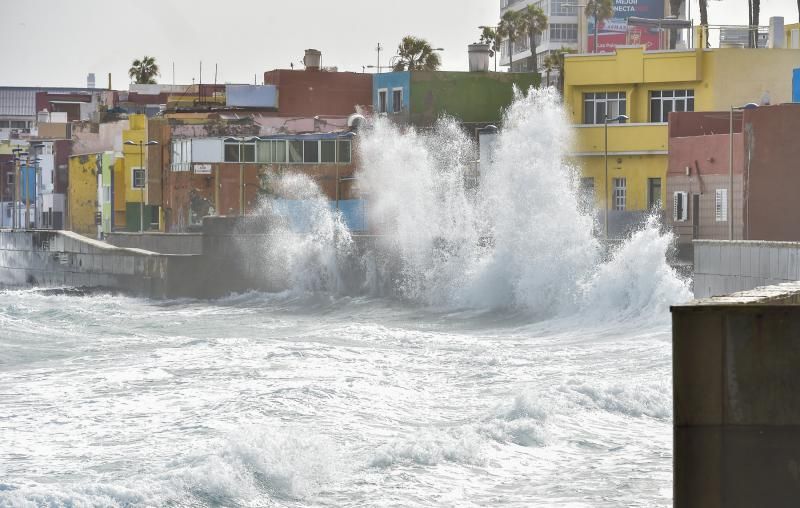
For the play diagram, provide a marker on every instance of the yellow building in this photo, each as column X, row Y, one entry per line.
column 646, row 86
column 82, row 193
column 135, row 175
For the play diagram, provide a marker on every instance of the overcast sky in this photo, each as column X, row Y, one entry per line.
column 57, row 42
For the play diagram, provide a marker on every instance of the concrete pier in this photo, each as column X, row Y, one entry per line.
column 736, row 375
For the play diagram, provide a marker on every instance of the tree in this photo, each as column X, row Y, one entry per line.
column 675, row 10
column 534, row 22
column 416, row 54
column 489, row 36
column 704, row 20
column 548, row 64
column 144, row 71
column 555, row 60
column 511, row 27
column 600, row 10
column 755, row 13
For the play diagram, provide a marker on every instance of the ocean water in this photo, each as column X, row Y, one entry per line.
column 440, row 369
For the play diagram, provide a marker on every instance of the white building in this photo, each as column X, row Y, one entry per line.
column 565, row 20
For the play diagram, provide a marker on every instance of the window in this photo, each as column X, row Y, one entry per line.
column 344, row 151
column 15, row 124
column 619, row 193
column 382, row 101
column 597, row 105
column 680, row 206
column 663, row 102
column 397, row 100
column 264, row 151
column 106, row 194
column 279, row 151
column 311, row 152
column 247, row 152
column 563, row 8
column 9, row 178
column 721, row 205
column 328, row 151
column 5, row 124
column 295, row 151
column 564, row 32
column 653, row 193
column 231, row 152
column 138, row 178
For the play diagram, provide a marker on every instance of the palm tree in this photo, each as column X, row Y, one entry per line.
column 600, row 10
column 755, row 13
column 557, row 62
column 675, row 10
column 144, row 71
column 548, row 65
column 489, row 36
column 416, row 54
column 535, row 22
column 704, row 20
column 511, row 27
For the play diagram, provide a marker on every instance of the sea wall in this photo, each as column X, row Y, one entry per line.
column 163, row 243
column 63, row 258
column 722, row 267
column 736, row 406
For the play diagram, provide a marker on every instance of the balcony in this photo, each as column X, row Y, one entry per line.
column 623, row 139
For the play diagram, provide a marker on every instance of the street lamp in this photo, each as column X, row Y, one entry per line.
column 141, row 145
column 749, row 105
column 15, row 193
column 606, row 120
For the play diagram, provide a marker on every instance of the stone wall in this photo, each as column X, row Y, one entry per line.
column 722, row 267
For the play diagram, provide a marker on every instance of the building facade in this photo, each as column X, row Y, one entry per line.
column 765, row 177
column 475, row 99
column 647, row 86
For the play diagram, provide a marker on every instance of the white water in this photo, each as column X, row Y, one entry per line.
column 529, row 373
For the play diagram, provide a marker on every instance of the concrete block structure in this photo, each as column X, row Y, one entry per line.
column 736, row 405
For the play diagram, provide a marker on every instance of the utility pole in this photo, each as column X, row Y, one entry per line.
column 379, row 48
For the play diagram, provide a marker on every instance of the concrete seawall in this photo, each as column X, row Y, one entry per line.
column 736, row 399
column 66, row 259
column 163, row 243
column 722, row 267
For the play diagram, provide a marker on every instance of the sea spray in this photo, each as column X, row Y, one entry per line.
column 521, row 240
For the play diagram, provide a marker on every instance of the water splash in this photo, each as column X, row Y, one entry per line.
column 520, row 239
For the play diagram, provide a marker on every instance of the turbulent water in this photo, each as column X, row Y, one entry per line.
column 484, row 352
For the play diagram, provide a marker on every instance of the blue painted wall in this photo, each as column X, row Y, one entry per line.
column 301, row 213
column 796, row 86
column 27, row 179
column 389, row 81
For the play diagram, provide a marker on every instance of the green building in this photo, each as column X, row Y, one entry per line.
column 474, row 98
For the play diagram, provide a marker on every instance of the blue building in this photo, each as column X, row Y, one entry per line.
column 796, row 86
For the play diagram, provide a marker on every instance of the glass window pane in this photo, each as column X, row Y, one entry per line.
column 655, row 110
column 295, row 151
column 248, row 152
column 311, row 151
column 264, row 151
column 279, row 151
column 680, row 93
column 690, row 105
column 666, row 109
column 231, row 152
column 328, row 151
column 588, row 112
column 600, row 96
column 680, row 105
column 599, row 112
column 344, row 151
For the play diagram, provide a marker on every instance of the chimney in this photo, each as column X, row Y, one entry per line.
column 311, row 59
column 777, row 38
column 90, row 80
column 478, row 58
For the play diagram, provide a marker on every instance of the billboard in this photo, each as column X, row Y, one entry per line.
column 616, row 32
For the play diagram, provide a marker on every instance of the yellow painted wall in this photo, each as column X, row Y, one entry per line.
column 136, row 133
column 719, row 77
column 82, row 194
column 120, row 184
